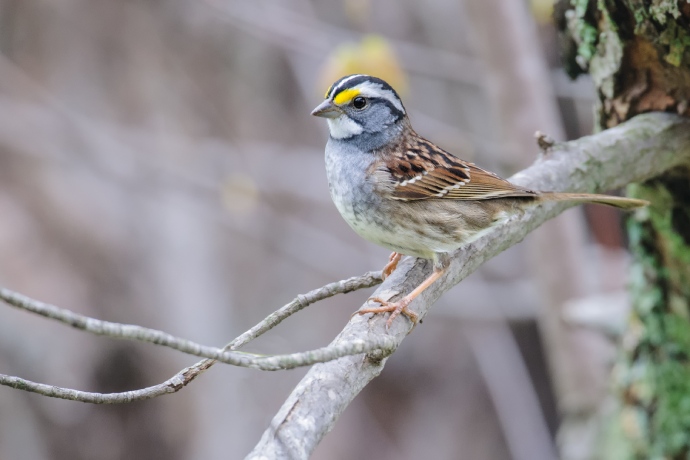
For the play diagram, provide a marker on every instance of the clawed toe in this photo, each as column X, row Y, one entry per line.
column 400, row 307
column 391, row 265
column 395, row 308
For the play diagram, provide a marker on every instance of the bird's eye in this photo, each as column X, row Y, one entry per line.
column 359, row 102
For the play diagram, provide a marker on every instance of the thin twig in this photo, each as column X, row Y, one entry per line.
column 225, row 355
column 144, row 334
column 384, row 345
column 355, row 283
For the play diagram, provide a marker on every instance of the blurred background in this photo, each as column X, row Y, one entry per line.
column 159, row 166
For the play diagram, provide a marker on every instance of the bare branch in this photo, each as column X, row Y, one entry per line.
column 144, row 334
column 172, row 385
column 383, row 345
column 637, row 150
column 355, row 283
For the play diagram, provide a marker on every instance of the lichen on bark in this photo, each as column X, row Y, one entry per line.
column 653, row 372
column 641, row 63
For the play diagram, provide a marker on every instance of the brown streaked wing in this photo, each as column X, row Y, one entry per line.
column 421, row 170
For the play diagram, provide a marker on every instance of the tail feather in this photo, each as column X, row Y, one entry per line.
column 608, row 200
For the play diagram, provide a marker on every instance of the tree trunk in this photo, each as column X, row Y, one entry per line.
column 638, row 53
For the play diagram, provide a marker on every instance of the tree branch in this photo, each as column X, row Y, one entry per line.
column 382, row 345
column 642, row 148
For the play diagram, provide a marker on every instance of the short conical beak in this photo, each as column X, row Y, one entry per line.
column 327, row 110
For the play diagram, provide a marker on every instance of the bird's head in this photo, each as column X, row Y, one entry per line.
column 360, row 104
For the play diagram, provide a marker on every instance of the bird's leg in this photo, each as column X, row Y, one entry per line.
column 396, row 308
column 392, row 264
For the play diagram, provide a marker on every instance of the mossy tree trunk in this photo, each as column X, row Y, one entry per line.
column 638, row 54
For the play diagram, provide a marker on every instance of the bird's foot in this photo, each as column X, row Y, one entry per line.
column 395, row 308
column 391, row 265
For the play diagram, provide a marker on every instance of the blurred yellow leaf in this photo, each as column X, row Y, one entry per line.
column 373, row 55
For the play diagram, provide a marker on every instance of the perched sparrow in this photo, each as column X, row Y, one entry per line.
column 402, row 192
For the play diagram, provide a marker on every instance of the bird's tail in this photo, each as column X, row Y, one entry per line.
column 608, row 200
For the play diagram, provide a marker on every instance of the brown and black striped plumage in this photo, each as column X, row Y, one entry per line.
column 418, row 169
column 421, row 170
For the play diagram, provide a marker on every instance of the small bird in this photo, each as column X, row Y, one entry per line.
column 403, row 192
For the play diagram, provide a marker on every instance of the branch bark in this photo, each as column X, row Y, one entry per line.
column 635, row 151
column 178, row 381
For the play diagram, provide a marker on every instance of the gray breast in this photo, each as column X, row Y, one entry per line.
column 350, row 190
column 362, row 208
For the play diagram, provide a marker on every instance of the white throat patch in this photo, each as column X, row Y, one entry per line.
column 343, row 127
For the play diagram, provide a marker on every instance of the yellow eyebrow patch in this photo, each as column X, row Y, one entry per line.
column 346, row 96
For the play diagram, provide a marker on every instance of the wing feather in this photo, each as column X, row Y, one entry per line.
column 419, row 170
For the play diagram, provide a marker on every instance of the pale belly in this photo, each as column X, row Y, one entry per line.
column 378, row 230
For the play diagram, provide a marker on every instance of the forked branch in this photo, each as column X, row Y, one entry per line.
column 187, row 375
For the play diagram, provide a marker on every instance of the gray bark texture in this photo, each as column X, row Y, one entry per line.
column 640, row 149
